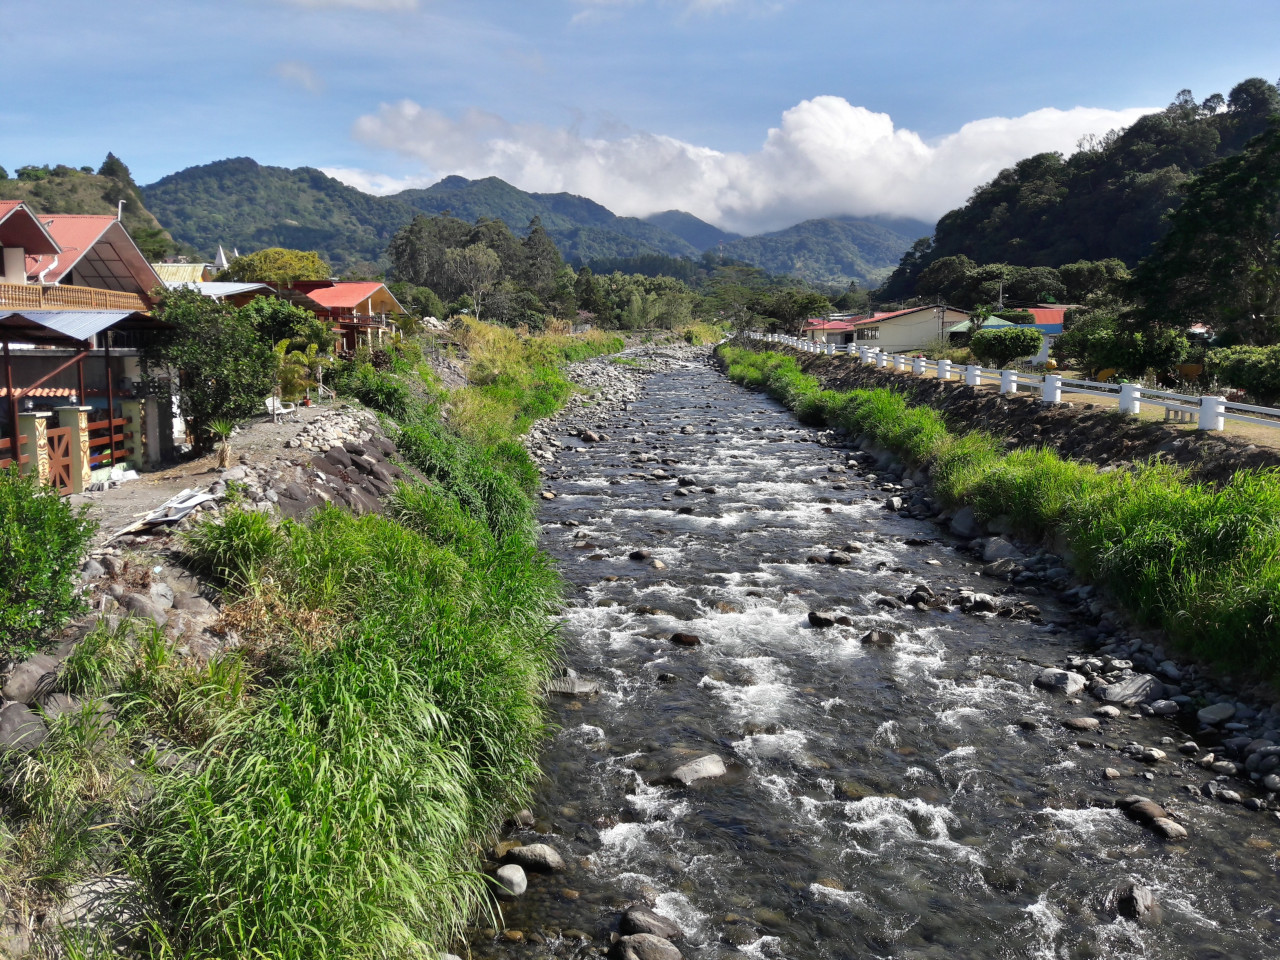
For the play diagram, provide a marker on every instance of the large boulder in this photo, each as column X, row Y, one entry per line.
column 31, row 679
column 145, row 607
column 965, row 523
column 1133, row 901
column 998, row 548
column 536, row 856
column 645, row 946
column 21, row 728
column 1136, row 689
column 1216, row 713
column 1060, row 681
column 643, row 920
column 511, row 880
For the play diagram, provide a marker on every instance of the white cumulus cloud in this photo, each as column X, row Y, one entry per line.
column 826, row 157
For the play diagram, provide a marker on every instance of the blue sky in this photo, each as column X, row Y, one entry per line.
column 875, row 107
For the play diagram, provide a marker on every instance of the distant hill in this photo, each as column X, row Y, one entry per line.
column 698, row 233
column 63, row 189
column 832, row 250
column 241, row 203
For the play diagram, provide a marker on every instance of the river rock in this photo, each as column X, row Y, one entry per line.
column 839, row 558
column 1132, row 690
column 998, row 548
column 821, row 620
column 1133, row 901
column 686, row 639
column 879, row 638
column 1108, row 711
column 1164, row 708
column 1216, row 713
column 642, row 920
column 644, row 946
column 1060, row 681
column 141, row 606
column 1081, row 723
column 511, row 880
column 704, row 768
column 1169, row 829
column 573, row 687
column 536, row 856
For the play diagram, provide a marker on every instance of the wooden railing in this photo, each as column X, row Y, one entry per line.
column 33, row 296
column 6, row 452
column 106, row 441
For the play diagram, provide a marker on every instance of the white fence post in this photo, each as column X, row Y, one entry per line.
column 944, row 369
column 1051, row 391
column 831, row 349
column 1008, row 381
column 1130, row 394
column 1211, row 413
column 880, row 359
column 899, row 362
column 973, row 375
column 917, row 365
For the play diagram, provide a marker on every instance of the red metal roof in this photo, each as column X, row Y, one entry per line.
column 344, row 294
column 1048, row 315
column 820, row 323
column 76, row 233
column 20, row 227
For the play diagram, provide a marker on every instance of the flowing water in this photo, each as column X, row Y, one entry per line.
column 879, row 802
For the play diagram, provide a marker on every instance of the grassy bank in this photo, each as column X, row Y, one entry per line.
column 1201, row 561
column 324, row 789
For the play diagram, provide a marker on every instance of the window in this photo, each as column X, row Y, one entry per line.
column 869, row 333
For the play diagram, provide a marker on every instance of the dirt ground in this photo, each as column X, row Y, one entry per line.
column 257, row 439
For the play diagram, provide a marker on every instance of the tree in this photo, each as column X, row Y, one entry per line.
column 4, row 174
column 589, row 295
column 1003, row 345
column 1106, row 339
column 114, row 167
column 417, row 252
column 275, row 319
column 226, row 370
column 476, row 269
column 1220, row 261
column 792, row 307
column 542, row 261
column 152, row 242
column 277, row 265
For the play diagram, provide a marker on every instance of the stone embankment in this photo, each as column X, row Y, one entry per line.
column 341, row 457
column 1079, row 430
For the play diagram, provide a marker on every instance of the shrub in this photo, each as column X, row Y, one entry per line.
column 1255, row 370
column 1003, row 345
column 42, row 540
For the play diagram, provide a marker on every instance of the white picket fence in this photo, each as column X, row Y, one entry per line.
column 1209, row 412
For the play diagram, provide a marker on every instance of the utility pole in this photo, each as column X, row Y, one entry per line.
column 1000, row 301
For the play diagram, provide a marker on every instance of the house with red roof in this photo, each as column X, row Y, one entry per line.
column 891, row 331
column 362, row 311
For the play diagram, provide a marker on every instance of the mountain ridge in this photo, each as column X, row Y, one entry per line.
column 238, row 202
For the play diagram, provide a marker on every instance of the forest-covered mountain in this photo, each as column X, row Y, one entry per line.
column 240, row 203
column 1108, row 200
column 834, row 250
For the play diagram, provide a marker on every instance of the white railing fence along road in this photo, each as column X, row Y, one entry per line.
column 1209, row 412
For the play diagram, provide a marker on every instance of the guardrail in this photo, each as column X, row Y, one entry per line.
column 1209, row 412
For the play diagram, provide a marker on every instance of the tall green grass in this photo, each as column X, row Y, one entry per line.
column 1199, row 560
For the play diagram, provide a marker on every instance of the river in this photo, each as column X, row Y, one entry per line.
column 880, row 801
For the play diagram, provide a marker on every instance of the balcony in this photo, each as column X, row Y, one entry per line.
column 32, row 296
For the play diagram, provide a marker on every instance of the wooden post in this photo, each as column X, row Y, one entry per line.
column 131, row 410
column 77, row 418
column 80, row 372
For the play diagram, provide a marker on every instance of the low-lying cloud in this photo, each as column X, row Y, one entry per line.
column 826, row 157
